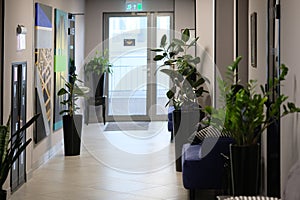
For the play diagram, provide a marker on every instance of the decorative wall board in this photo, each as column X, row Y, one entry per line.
column 60, row 62
column 43, row 69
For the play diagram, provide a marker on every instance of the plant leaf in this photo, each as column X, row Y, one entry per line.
column 185, row 36
column 158, row 57
column 163, row 41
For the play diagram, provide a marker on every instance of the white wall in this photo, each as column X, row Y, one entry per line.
column 290, row 126
column 24, row 14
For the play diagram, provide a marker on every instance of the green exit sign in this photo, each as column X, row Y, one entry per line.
column 134, row 5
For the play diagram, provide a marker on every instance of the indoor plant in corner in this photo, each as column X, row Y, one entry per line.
column 96, row 70
column 72, row 122
column 188, row 86
column 243, row 117
column 11, row 146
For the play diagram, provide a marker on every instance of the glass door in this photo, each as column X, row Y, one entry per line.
column 135, row 90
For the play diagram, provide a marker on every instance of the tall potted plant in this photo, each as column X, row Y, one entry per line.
column 72, row 122
column 187, row 88
column 243, row 117
column 11, row 147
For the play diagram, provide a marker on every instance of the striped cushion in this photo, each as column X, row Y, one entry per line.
column 209, row 131
column 251, row 198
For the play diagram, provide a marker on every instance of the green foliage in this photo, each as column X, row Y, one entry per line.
column 72, row 91
column 243, row 115
column 11, row 147
column 98, row 64
column 187, row 81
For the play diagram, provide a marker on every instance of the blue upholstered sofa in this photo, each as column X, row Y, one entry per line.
column 203, row 165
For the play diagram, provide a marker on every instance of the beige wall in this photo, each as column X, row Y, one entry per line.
column 94, row 17
column 259, row 73
column 290, row 126
column 24, row 14
column 184, row 16
column 290, row 42
column 205, row 31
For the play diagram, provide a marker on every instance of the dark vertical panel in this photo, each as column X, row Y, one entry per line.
column 224, row 33
column 15, row 112
column 71, row 42
column 224, row 40
column 242, row 22
column 18, row 119
column 22, row 157
column 273, row 132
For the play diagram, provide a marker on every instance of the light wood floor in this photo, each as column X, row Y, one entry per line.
column 113, row 165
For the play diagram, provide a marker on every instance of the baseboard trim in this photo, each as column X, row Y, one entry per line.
column 44, row 158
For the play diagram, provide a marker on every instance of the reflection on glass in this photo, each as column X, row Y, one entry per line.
column 162, row 80
column 128, row 55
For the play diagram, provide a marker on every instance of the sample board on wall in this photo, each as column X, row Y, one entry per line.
column 44, row 67
column 60, row 62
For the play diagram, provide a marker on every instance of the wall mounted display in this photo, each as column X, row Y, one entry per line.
column 60, row 62
column 253, row 29
column 129, row 42
column 44, row 67
column 18, row 119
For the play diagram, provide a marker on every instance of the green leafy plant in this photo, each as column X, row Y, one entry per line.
column 187, row 81
column 72, row 91
column 11, row 147
column 243, row 115
column 98, row 64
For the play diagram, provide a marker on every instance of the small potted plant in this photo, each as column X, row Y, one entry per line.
column 72, row 122
column 243, row 117
column 188, row 86
column 11, row 147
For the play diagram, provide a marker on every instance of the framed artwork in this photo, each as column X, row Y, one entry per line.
column 43, row 72
column 253, row 35
column 60, row 62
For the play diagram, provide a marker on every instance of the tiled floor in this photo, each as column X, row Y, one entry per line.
column 113, row 165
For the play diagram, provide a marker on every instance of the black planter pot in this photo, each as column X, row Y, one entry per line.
column 72, row 127
column 3, row 194
column 185, row 123
column 245, row 166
